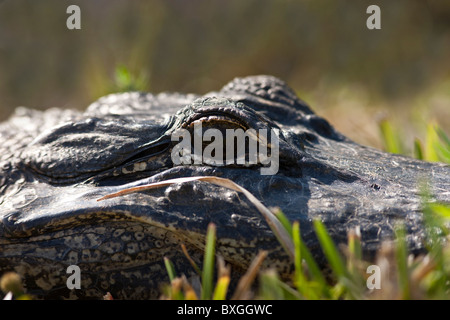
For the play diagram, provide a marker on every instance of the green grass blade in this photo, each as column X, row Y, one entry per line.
column 444, row 137
column 289, row 292
column 402, row 263
column 220, row 293
column 125, row 80
column 270, row 288
column 390, row 138
column 330, row 250
column 443, row 154
column 432, row 140
column 301, row 252
column 436, row 216
column 208, row 263
column 284, row 221
column 300, row 279
column 298, row 252
column 418, row 150
column 273, row 288
column 441, row 210
column 122, row 77
column 304, row 287
column 170, row 269
column 316, row 272
column 223, row 274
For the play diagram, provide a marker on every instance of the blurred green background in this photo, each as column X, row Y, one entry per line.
column 351, row 75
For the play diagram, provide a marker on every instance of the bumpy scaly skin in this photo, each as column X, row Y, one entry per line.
column 55, row 164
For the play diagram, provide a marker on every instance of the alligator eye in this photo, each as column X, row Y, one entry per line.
column 215, row 121
column 219, row 139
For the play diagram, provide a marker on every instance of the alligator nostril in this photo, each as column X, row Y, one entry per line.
column 375, row 186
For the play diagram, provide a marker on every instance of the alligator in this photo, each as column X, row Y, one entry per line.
column 56, row 164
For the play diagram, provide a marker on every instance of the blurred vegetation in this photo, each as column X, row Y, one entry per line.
column 435, row 149
column 347, row 73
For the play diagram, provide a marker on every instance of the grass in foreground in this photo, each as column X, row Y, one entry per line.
column 435, row 149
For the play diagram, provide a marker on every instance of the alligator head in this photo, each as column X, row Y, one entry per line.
column 56, row 164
